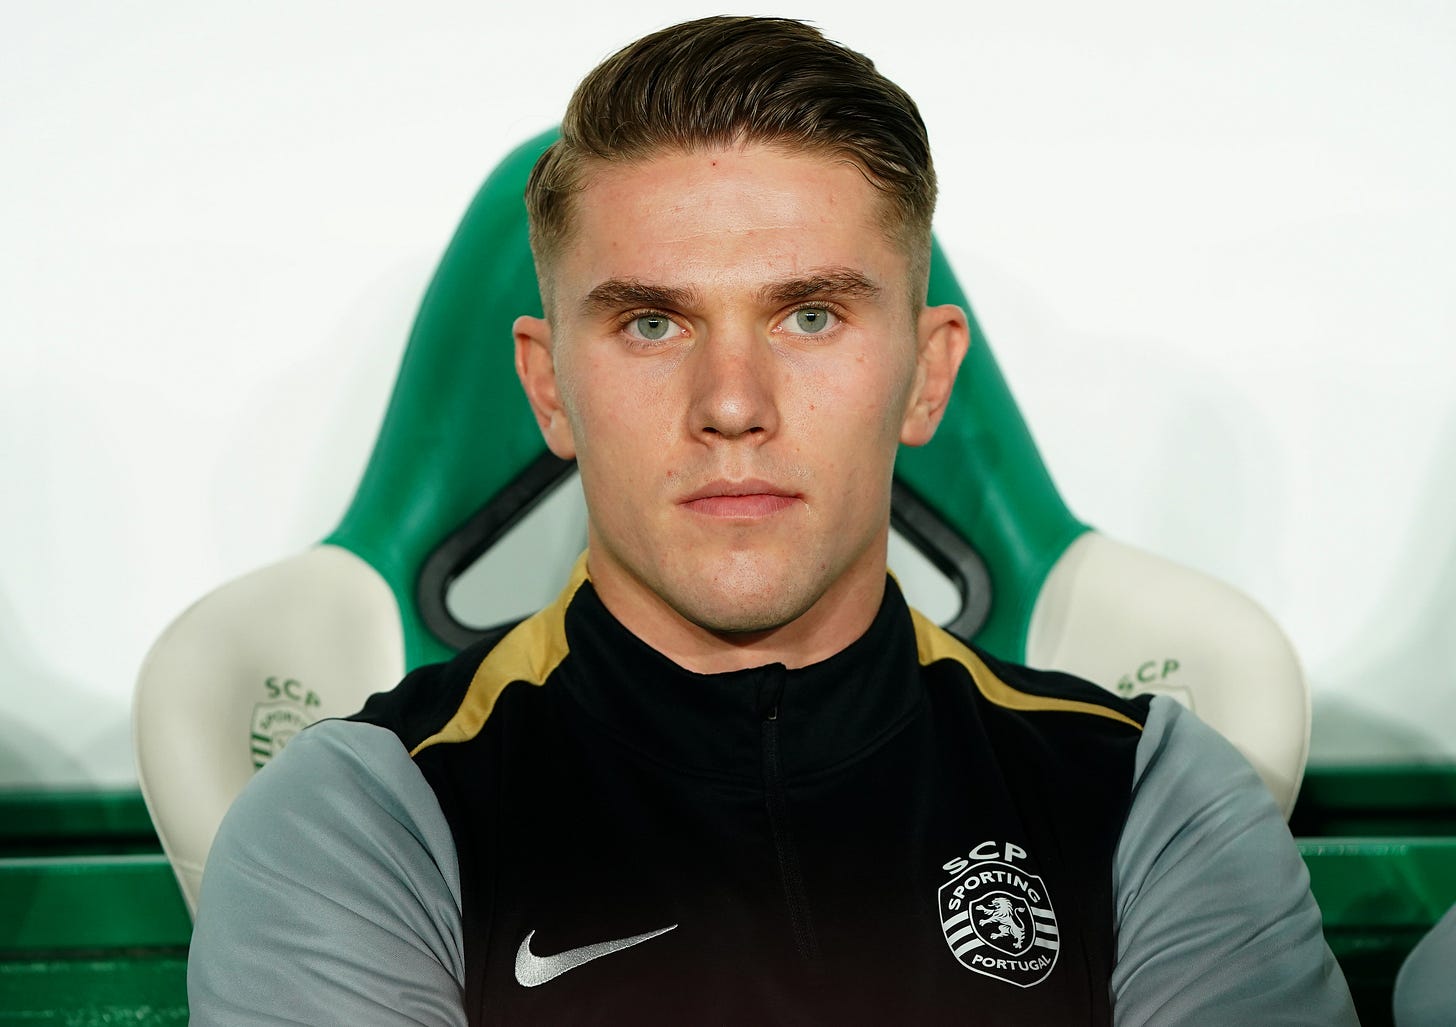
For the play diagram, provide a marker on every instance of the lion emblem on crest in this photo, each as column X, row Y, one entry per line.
column 1006, row 917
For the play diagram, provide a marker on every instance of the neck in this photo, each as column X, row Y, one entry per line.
column 831, row 623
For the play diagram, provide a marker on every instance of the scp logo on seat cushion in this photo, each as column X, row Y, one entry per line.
column 293, row 708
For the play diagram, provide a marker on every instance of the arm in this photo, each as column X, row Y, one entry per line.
column 331, row 893
column 1215, row 920
column 1425, row 995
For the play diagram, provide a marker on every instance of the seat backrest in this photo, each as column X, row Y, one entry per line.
column 459, row 461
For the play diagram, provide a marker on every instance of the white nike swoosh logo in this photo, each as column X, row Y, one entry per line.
column 532, row 970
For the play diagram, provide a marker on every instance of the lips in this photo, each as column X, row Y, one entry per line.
column 742, row 499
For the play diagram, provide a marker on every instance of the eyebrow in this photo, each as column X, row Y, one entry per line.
column 624, row 293
column 840, row 282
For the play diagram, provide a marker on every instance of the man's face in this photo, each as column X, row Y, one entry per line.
column 733, row 358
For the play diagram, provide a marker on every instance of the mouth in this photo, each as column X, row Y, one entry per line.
column 746, row 499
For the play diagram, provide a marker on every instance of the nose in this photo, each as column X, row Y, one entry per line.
column 733, row 393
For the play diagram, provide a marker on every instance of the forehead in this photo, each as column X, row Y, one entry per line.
column 725, row 218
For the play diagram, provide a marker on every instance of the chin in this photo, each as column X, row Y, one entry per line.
column 749, row 612
column 743, row 622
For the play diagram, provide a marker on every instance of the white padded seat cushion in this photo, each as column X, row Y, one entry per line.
column 1133, row 622
column 242, row 670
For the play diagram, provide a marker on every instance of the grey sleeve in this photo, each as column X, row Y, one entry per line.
column 1215, row 920
column 331, row 893
column 1425, row 988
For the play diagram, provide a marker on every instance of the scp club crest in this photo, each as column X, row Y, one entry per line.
column 274, row 725
column 291, row 709
column 998, row 918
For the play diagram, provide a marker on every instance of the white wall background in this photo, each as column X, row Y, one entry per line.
column 1213, row 246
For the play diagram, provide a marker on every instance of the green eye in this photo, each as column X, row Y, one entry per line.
column 652, row 327
column 811, row 320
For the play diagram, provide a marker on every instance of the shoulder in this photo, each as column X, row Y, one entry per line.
column 342, row 775
column 335, row 856
column 1191, row 786
column 428, row 696
column 1010, row 686
column 343, row 802
column 1214, row 915
column 451, row 701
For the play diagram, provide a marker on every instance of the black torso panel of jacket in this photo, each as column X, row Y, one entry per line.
column 908, row 830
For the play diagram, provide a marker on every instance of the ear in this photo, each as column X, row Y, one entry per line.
column 536, row 367
column 943, row 338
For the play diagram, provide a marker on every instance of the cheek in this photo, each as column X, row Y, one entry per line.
column 640, row 402
column 620, row 427
column 867, row 402
column 896, row 399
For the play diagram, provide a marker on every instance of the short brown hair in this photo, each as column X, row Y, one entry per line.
column 732, row 81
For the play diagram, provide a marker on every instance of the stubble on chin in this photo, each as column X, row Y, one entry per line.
column 743, row 597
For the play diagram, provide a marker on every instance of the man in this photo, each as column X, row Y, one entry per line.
column 1424, row 993
column 730, row 777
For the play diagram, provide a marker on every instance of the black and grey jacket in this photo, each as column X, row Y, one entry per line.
column 563, row 826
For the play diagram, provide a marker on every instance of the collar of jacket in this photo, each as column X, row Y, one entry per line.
column 822, row 716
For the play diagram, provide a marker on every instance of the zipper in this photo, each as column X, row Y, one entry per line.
column 776, row 799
